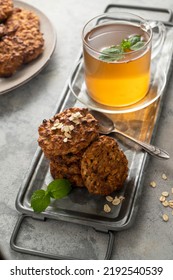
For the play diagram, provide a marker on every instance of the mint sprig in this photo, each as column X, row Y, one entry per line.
column 57, row 189
column 111, row 54
column 40, row 200
column 116, row 53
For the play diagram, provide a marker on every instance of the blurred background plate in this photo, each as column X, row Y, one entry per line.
column 27, row 72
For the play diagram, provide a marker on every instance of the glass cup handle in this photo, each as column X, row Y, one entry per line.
column 158, row 42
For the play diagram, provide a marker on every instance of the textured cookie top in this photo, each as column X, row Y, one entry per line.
column 20, row 41
column 6, row 8
column 68, row 132
column 104, row 166
column 22, row 19
column 70, row 172
column 11, row 56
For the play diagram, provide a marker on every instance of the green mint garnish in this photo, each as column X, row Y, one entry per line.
column 40, row 200
column 125, row 45
column 137, row 46
column 134, row 39
column 111, row 54
column 57, row 189
column 115, row 53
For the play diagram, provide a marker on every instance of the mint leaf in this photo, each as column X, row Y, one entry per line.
column 59, row 188
column 134, row 39
column 137, row 46
column 40, row 200
column 113, row 53
column 125, row 44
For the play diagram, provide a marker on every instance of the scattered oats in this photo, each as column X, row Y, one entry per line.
column 165, row 203
column 65, row 140
column 172, row 190
column 107, row 208
column 67, row 135
column 170, row 203
column 109, row 198
column 165, row 194
column 162, row 198
column 172, row 213
column 59, row 125
column 121, row 197
column 75, row 116
column 76, row 121
column 165, row 217
column 164, row 177
column 65, row 128
column 56, row 123
column 171, row 200
column 153, row 184
column 171, row 206
column 116, row 201
column 71, row 127
column 54, row 128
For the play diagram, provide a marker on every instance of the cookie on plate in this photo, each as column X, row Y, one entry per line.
column 11, row 56
column 20, row 41
column 6, row 8
column 104, row 166
column 21, row 19
column 33, row 43
column 25, row 26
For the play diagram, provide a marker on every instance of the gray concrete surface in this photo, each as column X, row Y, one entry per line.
column 22, row 110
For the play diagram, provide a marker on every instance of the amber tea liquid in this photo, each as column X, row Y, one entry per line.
column 118, row 83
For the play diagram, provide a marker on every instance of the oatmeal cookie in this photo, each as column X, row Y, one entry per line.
column 69, row 158
column 67, row 132
column 25, row 26
column 72, row 172
column 11, row 56
column 6, row 8
column 21, row 19
column 2, row 30
column 104, row 166
column 32, row 42
column 21, row 41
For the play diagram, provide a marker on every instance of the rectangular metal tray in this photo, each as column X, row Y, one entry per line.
column 79, row 206
column 82, row 207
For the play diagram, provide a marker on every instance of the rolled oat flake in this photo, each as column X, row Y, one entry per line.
column 165, row 217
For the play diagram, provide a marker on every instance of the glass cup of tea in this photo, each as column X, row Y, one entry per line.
column 117, row 52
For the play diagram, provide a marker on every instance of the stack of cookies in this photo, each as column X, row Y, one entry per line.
column 64, row 138
column 71, row 141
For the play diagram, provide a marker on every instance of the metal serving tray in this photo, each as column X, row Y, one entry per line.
column 79, row 206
